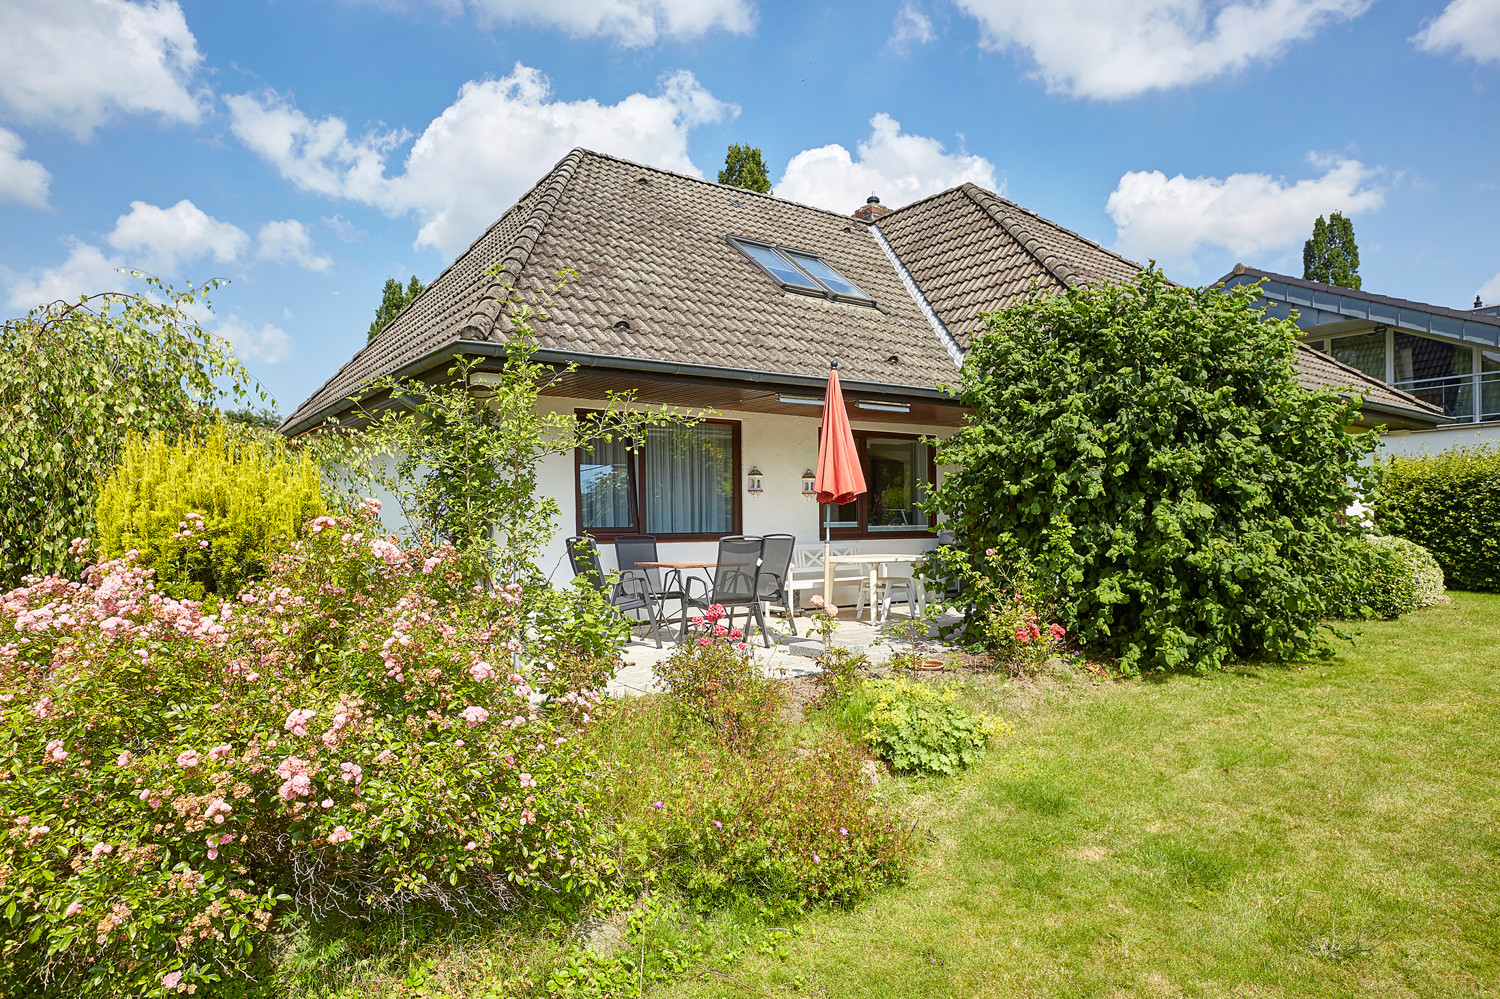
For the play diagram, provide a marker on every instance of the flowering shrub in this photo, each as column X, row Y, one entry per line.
column 919, row 728
column 354, row 733
column 713, row 677
column 1006, row 594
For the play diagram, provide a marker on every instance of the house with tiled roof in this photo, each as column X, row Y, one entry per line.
column 1448, row 358
column 697, row 294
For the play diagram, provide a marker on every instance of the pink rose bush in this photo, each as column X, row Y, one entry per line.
column 172, row 776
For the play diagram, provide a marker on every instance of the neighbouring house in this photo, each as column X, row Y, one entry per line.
column 697, row 294
column 1448, row 358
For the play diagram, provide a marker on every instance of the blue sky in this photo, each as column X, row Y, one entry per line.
column 308, row 150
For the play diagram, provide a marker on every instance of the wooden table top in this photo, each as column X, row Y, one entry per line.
column 677, row 565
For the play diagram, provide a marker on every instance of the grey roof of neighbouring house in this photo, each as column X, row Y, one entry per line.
column 658, row 283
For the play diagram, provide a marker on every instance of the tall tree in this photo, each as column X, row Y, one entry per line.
column 1332, row 256
column 393, row 299
column 743, row 167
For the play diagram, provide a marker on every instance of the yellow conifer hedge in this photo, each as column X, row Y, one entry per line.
column 208, row 511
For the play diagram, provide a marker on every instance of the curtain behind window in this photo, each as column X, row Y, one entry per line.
column 689, row 475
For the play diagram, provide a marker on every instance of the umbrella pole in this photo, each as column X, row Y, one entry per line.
column 827, row 567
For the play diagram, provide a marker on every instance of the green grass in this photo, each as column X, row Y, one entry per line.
column 1329, row 830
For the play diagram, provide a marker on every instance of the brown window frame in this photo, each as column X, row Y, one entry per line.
column 862, row 501
column 638, row 499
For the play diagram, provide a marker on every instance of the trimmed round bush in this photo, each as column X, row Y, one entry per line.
column 1395, row 576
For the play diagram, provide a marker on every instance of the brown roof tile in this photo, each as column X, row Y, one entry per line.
column 651, row 248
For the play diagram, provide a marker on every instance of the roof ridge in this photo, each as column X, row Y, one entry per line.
column 392, row 326
column 1029, row 242
column 1465, row 314
column 726, row 187
column 487, row 310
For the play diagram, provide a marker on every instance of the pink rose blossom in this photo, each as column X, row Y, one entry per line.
column 123, row 760
column 482, row 671
column 73, row 909
column 99, row 850
column 474, row 715
column 169, row 981
column 385, row 754
column 296, row 722
column 527, row 781
column 219, row 752
column 187, row 759
column 340, row 835
column 327, row 802
column 351, row 772
column 55, row 751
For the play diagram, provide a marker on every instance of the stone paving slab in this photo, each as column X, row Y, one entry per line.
column 790, row 657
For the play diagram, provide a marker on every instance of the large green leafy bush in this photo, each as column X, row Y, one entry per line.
column 1393, row 577
column 1164, row 427
column 1448, row 503
column 208, row 512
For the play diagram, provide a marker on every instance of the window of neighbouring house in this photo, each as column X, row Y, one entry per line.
column 800, row 271
column 1438, row 372
column 898, row 474
column 680, row 482
column 1489, row 380
column 1364, row 352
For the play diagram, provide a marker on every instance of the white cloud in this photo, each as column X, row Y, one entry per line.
column 1113, row 49
column 163, row 240
column 911, row 27
column 269, row 343
column 1467, row 27
column 1171, row 219
column 482, row 153
column 898, row 168
column 1490, row 292
column 21, row 180
column 343, row 228
column 73, row 64
column 632, row 23
column 290, row 243
column 86, row 271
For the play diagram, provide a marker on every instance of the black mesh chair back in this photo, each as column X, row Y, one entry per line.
column 736, row 578
column 628, row 594
column 775, row 565
column 583, row 554
column 633, row 548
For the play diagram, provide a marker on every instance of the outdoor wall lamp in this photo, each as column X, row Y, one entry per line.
column 809, row 481
column 756, row 485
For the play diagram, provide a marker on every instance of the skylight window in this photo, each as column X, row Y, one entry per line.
column 802, row 272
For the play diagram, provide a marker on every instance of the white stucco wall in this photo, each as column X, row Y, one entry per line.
column 782, row 447
column 1415, row 443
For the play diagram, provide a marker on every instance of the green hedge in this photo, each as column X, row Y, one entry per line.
column 1449, row 504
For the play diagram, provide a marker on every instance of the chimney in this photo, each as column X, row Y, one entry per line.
column 1478, row 302
column 872, row 210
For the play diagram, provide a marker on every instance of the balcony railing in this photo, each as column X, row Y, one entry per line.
column 1456, row 395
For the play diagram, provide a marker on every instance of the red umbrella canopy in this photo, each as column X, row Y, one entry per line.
column 840, row 478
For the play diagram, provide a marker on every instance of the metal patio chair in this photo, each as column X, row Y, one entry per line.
column 736, row 583
column 627, row 594
column 775, row 575
column 631, row 550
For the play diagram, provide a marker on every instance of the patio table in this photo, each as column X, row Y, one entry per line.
column 875, row 561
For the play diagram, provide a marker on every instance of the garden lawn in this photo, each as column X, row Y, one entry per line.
column 1329, row 830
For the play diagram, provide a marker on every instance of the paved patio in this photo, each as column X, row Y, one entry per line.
column 789, row 657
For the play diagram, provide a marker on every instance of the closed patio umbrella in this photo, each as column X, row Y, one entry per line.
column 839, row 477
